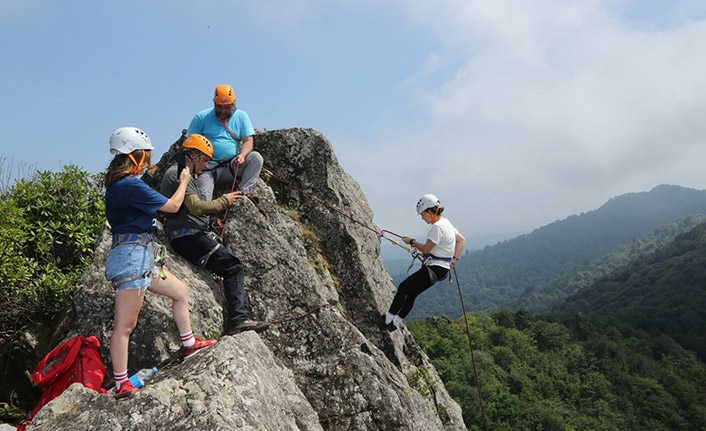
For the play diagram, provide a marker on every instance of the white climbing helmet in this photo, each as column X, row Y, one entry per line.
column 427, row 201
column 125, row 140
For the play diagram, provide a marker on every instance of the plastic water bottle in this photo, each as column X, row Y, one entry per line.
column 141, row 377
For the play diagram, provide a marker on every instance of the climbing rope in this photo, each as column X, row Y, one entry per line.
column 381, row 234
column 235, row 175
column 470, row 343
column 415, row 253
column 221, row 222
column 287, row 183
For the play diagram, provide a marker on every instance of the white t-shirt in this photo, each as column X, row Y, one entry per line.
column 443, row 235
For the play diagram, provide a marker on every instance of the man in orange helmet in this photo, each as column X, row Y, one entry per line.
column 186, row 231
column 230, row 131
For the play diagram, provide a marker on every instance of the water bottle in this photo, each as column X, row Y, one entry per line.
column 141, row 377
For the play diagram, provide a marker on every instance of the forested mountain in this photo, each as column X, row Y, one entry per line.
column 539, row 298
column 579, row 374
column 519, row 271
column 626, row 352
column 663, row 293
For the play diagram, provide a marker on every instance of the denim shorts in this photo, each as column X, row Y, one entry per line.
column 128, row 260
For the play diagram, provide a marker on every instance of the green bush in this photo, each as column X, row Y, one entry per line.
column 48, row 226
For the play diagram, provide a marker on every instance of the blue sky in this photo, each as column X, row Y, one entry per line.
column 515, row 114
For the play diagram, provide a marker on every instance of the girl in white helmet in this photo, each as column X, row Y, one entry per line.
column 442, row 249
column 131, row 207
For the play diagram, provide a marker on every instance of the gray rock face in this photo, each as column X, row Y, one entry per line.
column 262, row 395
column 333, row 369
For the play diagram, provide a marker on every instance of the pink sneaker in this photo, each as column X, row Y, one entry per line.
column 127, row 390
column 198, row 345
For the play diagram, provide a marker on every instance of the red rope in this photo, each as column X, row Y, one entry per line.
column 235, row 175
column 286, row 182
column 470, row 343
column 222, row 222
column 391, row 233
column 289, row 319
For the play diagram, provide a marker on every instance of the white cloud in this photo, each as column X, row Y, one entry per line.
column 556, row 107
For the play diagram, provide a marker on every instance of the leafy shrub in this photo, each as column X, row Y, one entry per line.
column 48, row 226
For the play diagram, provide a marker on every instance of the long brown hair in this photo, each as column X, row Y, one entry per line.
column 122, row 166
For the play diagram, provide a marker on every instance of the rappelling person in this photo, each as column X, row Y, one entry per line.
column 441, row 250
column 187, row 232
column 131, row 207
column 230, row 131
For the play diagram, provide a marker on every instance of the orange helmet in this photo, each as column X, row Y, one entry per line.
column 200, row 143
column 224, row 95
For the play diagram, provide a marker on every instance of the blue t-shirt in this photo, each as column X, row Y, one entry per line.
column 131, row 206
column 225, row 147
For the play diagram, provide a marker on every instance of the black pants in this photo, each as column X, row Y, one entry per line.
column 223, row 263
column 413, row 286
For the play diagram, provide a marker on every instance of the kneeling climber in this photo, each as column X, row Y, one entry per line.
column 186, row 231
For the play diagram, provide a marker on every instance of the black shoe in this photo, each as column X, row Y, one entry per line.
column 248, row 325
column 379, row 320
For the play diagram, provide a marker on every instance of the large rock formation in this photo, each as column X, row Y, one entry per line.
column 333, row 369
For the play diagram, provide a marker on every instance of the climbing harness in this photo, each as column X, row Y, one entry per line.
column 428, row 258
column 174, row 234
column 157, row 253
column 203, row 260
column 470, row 344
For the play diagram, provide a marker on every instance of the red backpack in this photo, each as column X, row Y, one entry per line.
column 76, row 360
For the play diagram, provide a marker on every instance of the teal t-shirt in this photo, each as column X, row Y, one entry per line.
column 225, row 147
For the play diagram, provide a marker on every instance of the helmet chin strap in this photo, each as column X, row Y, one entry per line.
column 433, row 218
column 136, row 169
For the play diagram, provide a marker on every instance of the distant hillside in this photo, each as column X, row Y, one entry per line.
column 539, row 298
column 660, row 293
column 495, row 277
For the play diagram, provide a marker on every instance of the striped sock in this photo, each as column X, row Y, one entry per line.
column 120, row 379
column 187, row 339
